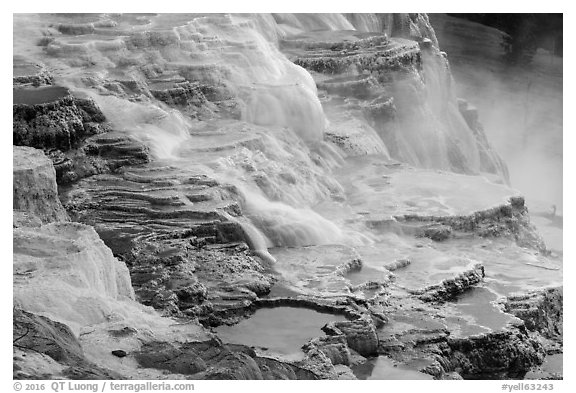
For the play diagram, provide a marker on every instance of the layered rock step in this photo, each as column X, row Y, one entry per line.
column 419, row 280
column 50, row 117
column 333, row 52
column 27, row 72
column 71, row 131
column 34, row 185
column 182, row 234
column 152, row 200
column 381, row 82
column 75, row 315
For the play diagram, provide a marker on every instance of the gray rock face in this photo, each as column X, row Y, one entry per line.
column 450, row 288
column 29, row 73
column 189, row 253
column 71, row 130
column 101, row 153
column 24, row 219
column 541, row 311
column 42, row 335
column 510, row 220
column 387, row 82
column 179, row 228
column 214, row 360
column 360, row 335
column 509, row 354
column 334, row 348
column 34, row 188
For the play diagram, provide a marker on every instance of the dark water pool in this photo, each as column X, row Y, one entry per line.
column 281, row 329
column 39, row 95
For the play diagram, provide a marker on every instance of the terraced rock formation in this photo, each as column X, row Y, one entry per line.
column 212, row 179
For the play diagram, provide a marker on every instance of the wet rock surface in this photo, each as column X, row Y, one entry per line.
column 377, row 79
column 510, row 220
column 72, row 131
column 450, row 288
column 28, row 73
column 541, row 311
column 508, row 354
column 360, row 335
column 413, row 279
column 50, row 117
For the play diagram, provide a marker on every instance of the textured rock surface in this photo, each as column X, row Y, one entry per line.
column 510, row 353
column 102, row 153
column 450, row 288
column 213, row 147
column 542, row 311
column 29, row 73
column 360, row 335
column 381, row 81
column 178, row 232
column 64, row 126
column 34, row 185
column 510, row 220
column 334, row 348
column 36, row 334
column 49, row 117
column 214, row 360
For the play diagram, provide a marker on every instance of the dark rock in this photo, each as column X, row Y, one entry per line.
column 42, row 335
column 375, row 53
column 437, row 233
column 273, row 369
column 541, row 311
column 507, row 354
column 397, row 264
column 334, row 347
column 187, row 95
column 214, row 360
column 235, row 366
column 509, row 220
column 76, row 28
column 29, row 73
column 125, row 331
column 166, row 356
column 214, row 283
column 49, row 117
column 360, row 335
column 119, row 353
column 450, row 288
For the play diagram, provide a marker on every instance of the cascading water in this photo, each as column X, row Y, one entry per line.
column 164, row 130
column 240, row 56
column 333, row 145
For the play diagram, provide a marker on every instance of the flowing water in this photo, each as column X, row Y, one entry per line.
column 307, row 207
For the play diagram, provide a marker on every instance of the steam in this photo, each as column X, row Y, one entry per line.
column 240, row 54
column 523, row 119
column 520, row 106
